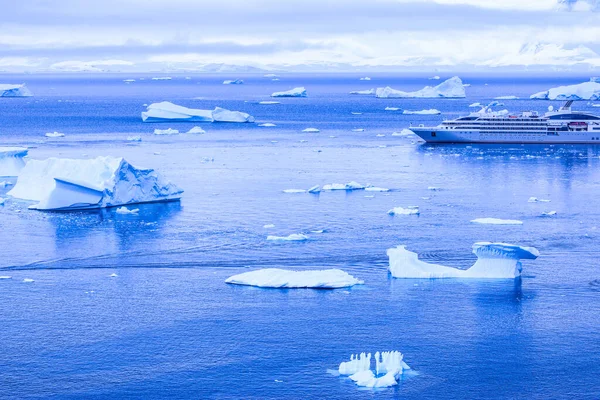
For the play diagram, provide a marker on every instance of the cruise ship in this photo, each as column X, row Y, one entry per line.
column 560, row 126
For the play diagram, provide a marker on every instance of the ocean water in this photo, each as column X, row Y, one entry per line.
column 169, row 327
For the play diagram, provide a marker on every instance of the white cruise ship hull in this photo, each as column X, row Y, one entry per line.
column 441, row 135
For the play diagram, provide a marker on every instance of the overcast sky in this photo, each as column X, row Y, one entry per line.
column 363, row 32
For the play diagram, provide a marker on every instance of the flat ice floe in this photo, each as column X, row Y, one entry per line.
column 497, row 221
column 410, row 210
column 376, row 189
column 233, row 82
column 311, row 130
column 12, row 160
column 548, row 213
column 389, row 367
column 431, row 111
column 364, row 92
column 167, row 111
column 294, row 237
column 451, row 88
column 267, row 124
column 12, row 90
column 358, row 130
column 285, row 279
column 162, row 78
column 344, row 186
column 294, row 191
column 391, row 109
column 494, row 260
column 54, row 134
column 71, row 184
column 222, row 115
column 268, row 102
column 296, row 92
column 168, row 131
column 536, row 200
column 134, row 138
column 506, row 98
column 582, row 91
column 366, row 78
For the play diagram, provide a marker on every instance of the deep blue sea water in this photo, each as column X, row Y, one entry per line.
column 169, row 327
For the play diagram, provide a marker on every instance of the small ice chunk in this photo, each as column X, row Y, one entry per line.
column 341, row 186
column 506, row 98
column 355, row 113
column 267, row 124
column 497, row 221
column 410, row 210
column 28, row 280
column 196, row 130
column 536, row 200
column 380, row 135
column 128, row 80
column 5, row 277
column 311, row 130
column 270, row 76
column 268, row 102
column 364, row 92
column 162, row 78
column 134, row 138
column 233, row 82
column 392, row 109
column 549, row 213
column 404, row 132
column 294, row 237
column 269, row 226
column 358, row 130
column 475, row 105
column 54, row 134
column 168, row 131
column 294, row 191
column 125, row 210
column 113, row 275
column 318, row 231
column 366, row 78
column 431, row 111
column 286, row 279
column 376, row 189
column 389, row 363
column 296, row 92
column 435, row 188
column 315, row 189
column 4, row 184
column 435, row 78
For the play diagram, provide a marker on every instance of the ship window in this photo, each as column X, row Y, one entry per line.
column 574, row 116
column 433, row 134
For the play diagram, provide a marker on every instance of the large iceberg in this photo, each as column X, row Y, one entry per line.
column 451, row 88
column 296, row 92
column 281, row 278
column 10, row 90
column 11, row 160
column 167, row 111
column 389, row 367
column 494, row 260
column 70, row 184
column 582, row 91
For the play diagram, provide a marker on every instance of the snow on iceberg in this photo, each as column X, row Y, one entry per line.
column 223, row 115
column 70, row 184
column 294, row 237
column 168, row 131
column 344, row 186
column 233, row 82
column 451, row 88
column 494, row 260
column 167, row 111
column 497, row 221
column 410, row 210
column 364, row 92
column 296, row 92
column 390, row 364
column 281, row 278
column 431, row 111
column 10, row 90
column 582, row 91
column 11, row 160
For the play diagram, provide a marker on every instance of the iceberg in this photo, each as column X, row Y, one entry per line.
column 506, row 98
column 364, row 92
column 403, row 132
column 10, row 90
column 390, row 364
column 497, row 221
column 548, row 213
column 294, row 191
column 285, row 279
column 494, row 261
column 435, row 78
column 54, row 134
column 167, row 111
column 476, row 105
column 268, row 102
column 125, row 210
column 410, row 210
column 391, row 109
column 311, row 130
column 376, row 189
column 197, row 130
column 166, row 131
column 162, row 78
column 366, row 78
column 12, row 160
column 451, row 88
column 223, row 115
column 71, row 184
column 296, row 92
column 294, row 237
column 267, row 124
column 233, row 82
column 582, row 91
column 134, row 138
column 358, row 130
column 344, row 186
column 431, row 111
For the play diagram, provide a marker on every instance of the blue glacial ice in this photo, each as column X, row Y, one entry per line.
column 12, row 160
column 295, row 92
column 11, row 90
column 390, row 364
column 451, row 88
column 582, row 91
column 494, row 260
column 281, row 278
column 71, row 184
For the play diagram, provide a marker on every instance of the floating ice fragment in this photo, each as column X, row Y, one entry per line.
column 28, row 280
column 268, row 102
column 54, row 134
column 536, row 200
column 497, row 221
column 380, row 135
column 162, row 78
column 390, row 364
column 294, row 237
column 233, row 82
column 270, row 76
column 128, row 80
column 435, row 78
column 294, row 191
column 12, row 160
column 315, row 189
column 404, row 132
column 268, row 226
column 222, row 115
column 296, row 92
column 318, row 231
column 12, row 90
column 4, row 184
column 5, row 277
column 506, row 98
column 431, row 111
column 364, row 92
column 168, row 131
column 475, row 105
column 549, row 213
column 113, row 275
column 134, row 138
column 433, row 188
column 196, row 130
column 311, row 130
column 494, row 260
column 451, row 88
column 286, row 279
column 267, row 124
column 341, row 186
column 366, row 78
column 355, row 113
column 391, row 109
column 167, row 111
column 410, row 210
column 125, row 210
column 376, row 189
column 358, row 130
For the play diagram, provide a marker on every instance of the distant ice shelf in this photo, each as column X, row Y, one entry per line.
column 12, row 160
column 288, row 279
column 71, row 184
column 296, row 92
column 494, row 261
column 451, row 88
column 14, row 90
